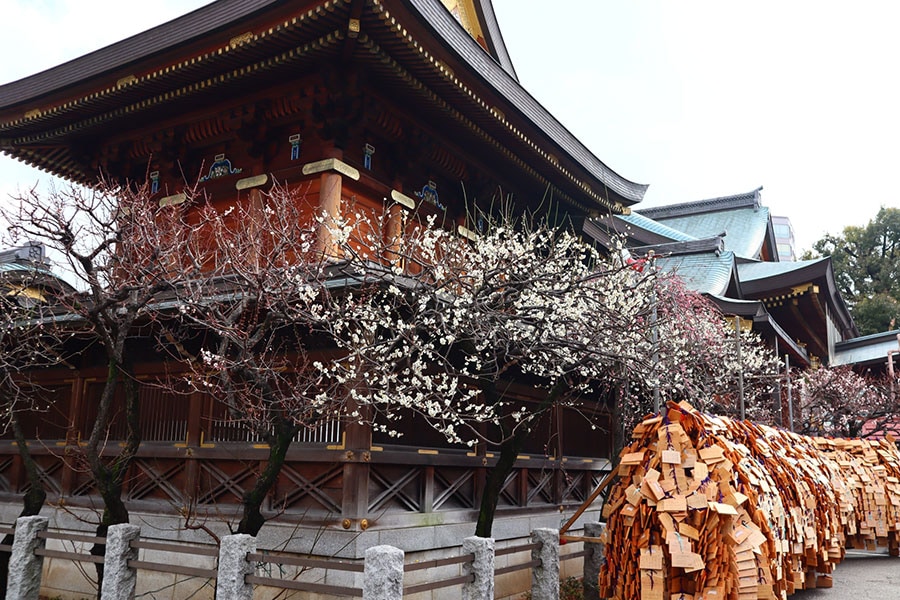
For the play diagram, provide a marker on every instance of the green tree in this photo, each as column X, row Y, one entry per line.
column 867, row 268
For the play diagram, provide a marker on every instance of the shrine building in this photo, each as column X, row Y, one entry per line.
column 359, row 103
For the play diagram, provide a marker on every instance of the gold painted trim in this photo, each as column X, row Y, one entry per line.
column 403, row 200
column 341, row 446
column 172, row 200
column 239, row 40
column 353, row 28
column 424, row 451
column 172, row 69
column 331, row 164
column 466, row 233
column 124, row 81
column 251, row 182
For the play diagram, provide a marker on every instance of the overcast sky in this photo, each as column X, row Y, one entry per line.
column 697, row 99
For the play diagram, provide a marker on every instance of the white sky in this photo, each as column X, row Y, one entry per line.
column 697, row 98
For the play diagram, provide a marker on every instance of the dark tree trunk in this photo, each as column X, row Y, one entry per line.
column 509, row 451
column 34, row 498
column 280, row 440
column 109, row 477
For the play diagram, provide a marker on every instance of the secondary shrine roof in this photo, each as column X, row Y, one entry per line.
column 870, row 350
column 762, row 276
column 706, row 273
column 639, row 220
column 745, row 223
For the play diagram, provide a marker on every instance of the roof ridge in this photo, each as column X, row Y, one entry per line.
column 696, row 207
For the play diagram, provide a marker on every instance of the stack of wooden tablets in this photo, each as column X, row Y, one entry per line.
column 709, row 508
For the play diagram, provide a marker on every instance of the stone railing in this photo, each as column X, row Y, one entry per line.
column 379, row 577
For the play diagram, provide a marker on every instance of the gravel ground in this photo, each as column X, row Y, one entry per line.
column 861, row 576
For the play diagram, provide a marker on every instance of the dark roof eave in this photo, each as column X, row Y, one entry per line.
column 712, row 244
column 815, row 270
column 190, row 26
column 866, row 340
column 225, row 13
column 756, row 311
column 436, row 18
column 820, row 270
column 496, row 37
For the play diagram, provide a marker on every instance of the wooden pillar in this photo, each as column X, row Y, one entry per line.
column 427, row 501
column 256, row 215
column 76, row 408
column 330, row 190
column 557, row 449
column 192, row 441
column 393, row 232
column 357, row 445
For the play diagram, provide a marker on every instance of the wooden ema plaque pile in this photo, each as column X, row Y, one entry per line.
column 709, row 508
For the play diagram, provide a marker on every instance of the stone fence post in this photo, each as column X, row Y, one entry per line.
column 24, row 581
column 119, row 580
column 545, row 578
column 231, row 580
column 482, row 567
column 383, row 575
column 593, row 560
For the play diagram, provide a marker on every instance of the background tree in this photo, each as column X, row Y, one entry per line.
column 698, row 361
column 115, row 242
column 24, row 349
column 842, row 403
column 866, row 264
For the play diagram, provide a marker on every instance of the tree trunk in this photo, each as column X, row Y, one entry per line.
column 110, row 477
column 252, row 519
column 34, row 498
column 509, row 451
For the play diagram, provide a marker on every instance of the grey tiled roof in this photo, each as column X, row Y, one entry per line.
column 867, row 349
column 696, row 207
column 706, row 273
column 638, row 220
column 745, row 228
column 495, row 38
column 753, row 271
column 190, row 26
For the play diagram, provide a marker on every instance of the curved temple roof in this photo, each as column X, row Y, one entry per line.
column 34, row 102
column 743, row 220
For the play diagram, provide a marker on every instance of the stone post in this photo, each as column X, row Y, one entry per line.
column 545, row 578
column 119, row 579
column 482, row 567
column 24, row 581
column 593, row 560
column 383, row 576
column 231, row 581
